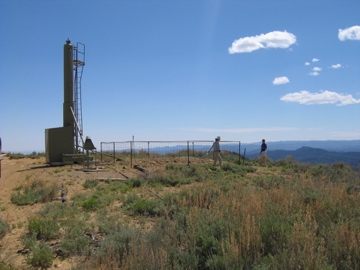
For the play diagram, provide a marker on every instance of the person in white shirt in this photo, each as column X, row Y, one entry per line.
column 216, row 150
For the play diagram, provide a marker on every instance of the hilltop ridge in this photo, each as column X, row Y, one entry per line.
column 314, row 152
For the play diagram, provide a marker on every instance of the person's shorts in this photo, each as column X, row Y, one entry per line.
column 263, row 153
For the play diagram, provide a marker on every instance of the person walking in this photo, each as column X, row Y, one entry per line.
column 263, row 149
column 216, row 150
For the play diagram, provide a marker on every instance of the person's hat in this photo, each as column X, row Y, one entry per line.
column 218, row 138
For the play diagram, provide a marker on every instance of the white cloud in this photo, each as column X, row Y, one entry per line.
column 280, row 80
column 275, row 39
column 307, row 64
column 315, row 60
column 315, row 71
column 336, row 66
column 324, row 97
column 351, row 33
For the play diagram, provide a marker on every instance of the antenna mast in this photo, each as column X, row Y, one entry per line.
column 78, row 66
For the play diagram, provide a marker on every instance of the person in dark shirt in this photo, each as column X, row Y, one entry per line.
column 263, row 149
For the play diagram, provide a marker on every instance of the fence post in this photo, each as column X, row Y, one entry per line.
column 148, row 149
column 101, row 152
column 114, row 151
column 244, row 156
column 131, row 153
column 239, row 153
column 188, row 150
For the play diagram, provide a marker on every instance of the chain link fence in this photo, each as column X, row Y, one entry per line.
column 129, row 151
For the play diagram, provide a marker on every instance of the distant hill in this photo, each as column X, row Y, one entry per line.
column 314, row 156
column 331, row 145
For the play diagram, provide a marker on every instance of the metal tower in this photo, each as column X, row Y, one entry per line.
column 78, row 66
column 66, row 144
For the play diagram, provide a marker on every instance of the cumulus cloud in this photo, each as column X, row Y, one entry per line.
column 315, row 60
column 336, row 66
column 323, row 97
column 280, row 80
column 275, row 39
column 351, row 33
column 307, row 64
column 315, row 71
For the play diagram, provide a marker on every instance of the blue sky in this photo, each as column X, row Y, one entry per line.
column 183, row 70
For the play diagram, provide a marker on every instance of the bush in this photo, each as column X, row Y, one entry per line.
column 57, row 211
column 118, row 242
column 73, row 240
column 43, row 229
column 90, row 183
column 36, row 192
column 94, row 200
column 136, row 183
column 78, row 246
column 90, row 204
column 6, row 266
column 234, row 169
column 146, row 207
column 41, row 256
column 28, row 241
column 4, row 228
column 33, row 155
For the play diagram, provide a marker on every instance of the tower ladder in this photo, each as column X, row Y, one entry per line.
column 78, row 66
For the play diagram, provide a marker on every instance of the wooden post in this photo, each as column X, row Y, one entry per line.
column 63, row 193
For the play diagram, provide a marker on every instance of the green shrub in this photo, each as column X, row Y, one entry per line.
column 107, row 223
column 131, row 198
column 275, row 232
column 94, row 200
column 4, row 228
column 122, row 186
column 33, row 155
column 28, row 241
column 250, row 169
column 234, row 169
column 91, row 183
column 170, row 166
column 165, row 180
column 36, row 192
column 206, row 247
column 74, row 242
column 6, row 266
column 78, row 246
column 90, row 204
column 146, row 207
column 41, row 256
column 136, row 183
column 118, row 243
column 57, row 211
column 44, row 229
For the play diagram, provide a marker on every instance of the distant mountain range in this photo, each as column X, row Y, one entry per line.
column 314, row 152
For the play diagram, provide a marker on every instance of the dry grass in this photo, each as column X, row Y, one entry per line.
column 285, row 216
